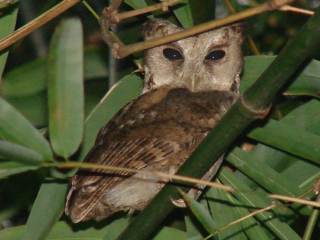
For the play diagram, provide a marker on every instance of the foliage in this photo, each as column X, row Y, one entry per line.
column 52, row 106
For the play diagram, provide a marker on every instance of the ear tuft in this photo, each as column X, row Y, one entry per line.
column 237, row 30
column 158, row 28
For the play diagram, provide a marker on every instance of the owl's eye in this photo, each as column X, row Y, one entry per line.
column 172, row 54
column 216, row 55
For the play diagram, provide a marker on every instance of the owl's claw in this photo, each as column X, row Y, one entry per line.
column 180, row 203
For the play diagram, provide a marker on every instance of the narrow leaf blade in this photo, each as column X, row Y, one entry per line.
column 45, row 211
column 7, row 23
column 65, row 87
column 15, row 128
column 18, row 153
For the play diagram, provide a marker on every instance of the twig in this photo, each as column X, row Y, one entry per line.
column 288, row 8
column 295, row 200
column 37, row 23
column 122, row 171
column 124, row 51
column 170, row 177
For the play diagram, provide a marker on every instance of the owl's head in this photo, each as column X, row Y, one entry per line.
column 208, row 61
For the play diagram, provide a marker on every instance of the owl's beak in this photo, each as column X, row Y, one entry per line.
column 194, row 79
column 193, row 82
column 190, row 76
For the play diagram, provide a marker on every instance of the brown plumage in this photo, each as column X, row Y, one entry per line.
column 158, row 131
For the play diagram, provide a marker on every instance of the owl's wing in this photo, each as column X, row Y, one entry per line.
column 87, row 190
column 128, row 141
column 158, row 130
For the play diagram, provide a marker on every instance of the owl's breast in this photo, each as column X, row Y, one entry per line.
column 198, row 109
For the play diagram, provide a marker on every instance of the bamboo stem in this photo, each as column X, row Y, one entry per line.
column 124, row 51
column 253, row 105
column 36, row 23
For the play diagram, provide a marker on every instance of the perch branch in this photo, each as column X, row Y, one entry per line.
column 166, row 177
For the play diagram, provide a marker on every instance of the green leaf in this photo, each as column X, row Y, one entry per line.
column 65, row 87
column 15, row 128
column 46, row 210
column 34, row 108
column 192, row 230
column 31, row 78
column 8, row 168
column 18, row 153
column 251, row 227
column 63, row 231
column 95, row 63
column 202, row 11
column 7, row 23
column 298, row 142
column 200, row 212
column 307, row 117
column 268, row 178
column 170, row 233
column 136, row 4
column 26, row 79
column 275, row 158
column 308, row 175
column 183, row 13
column 307, row 83
column 223, row 214
column 120, row 94
column 257, row 200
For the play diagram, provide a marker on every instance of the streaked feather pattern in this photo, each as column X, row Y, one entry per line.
column 157, row 131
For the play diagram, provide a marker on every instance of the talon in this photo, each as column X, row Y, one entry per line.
column 180, row 203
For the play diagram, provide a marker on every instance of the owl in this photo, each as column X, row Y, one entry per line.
column 188, row 86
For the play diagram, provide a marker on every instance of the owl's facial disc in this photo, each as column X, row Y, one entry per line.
column 208, row 61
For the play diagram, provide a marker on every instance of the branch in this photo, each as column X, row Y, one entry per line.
column 252, row 105
column 37, row 23
column 288, row 8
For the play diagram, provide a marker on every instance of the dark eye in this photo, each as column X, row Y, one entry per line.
column 172, row 54
column 215, row 55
